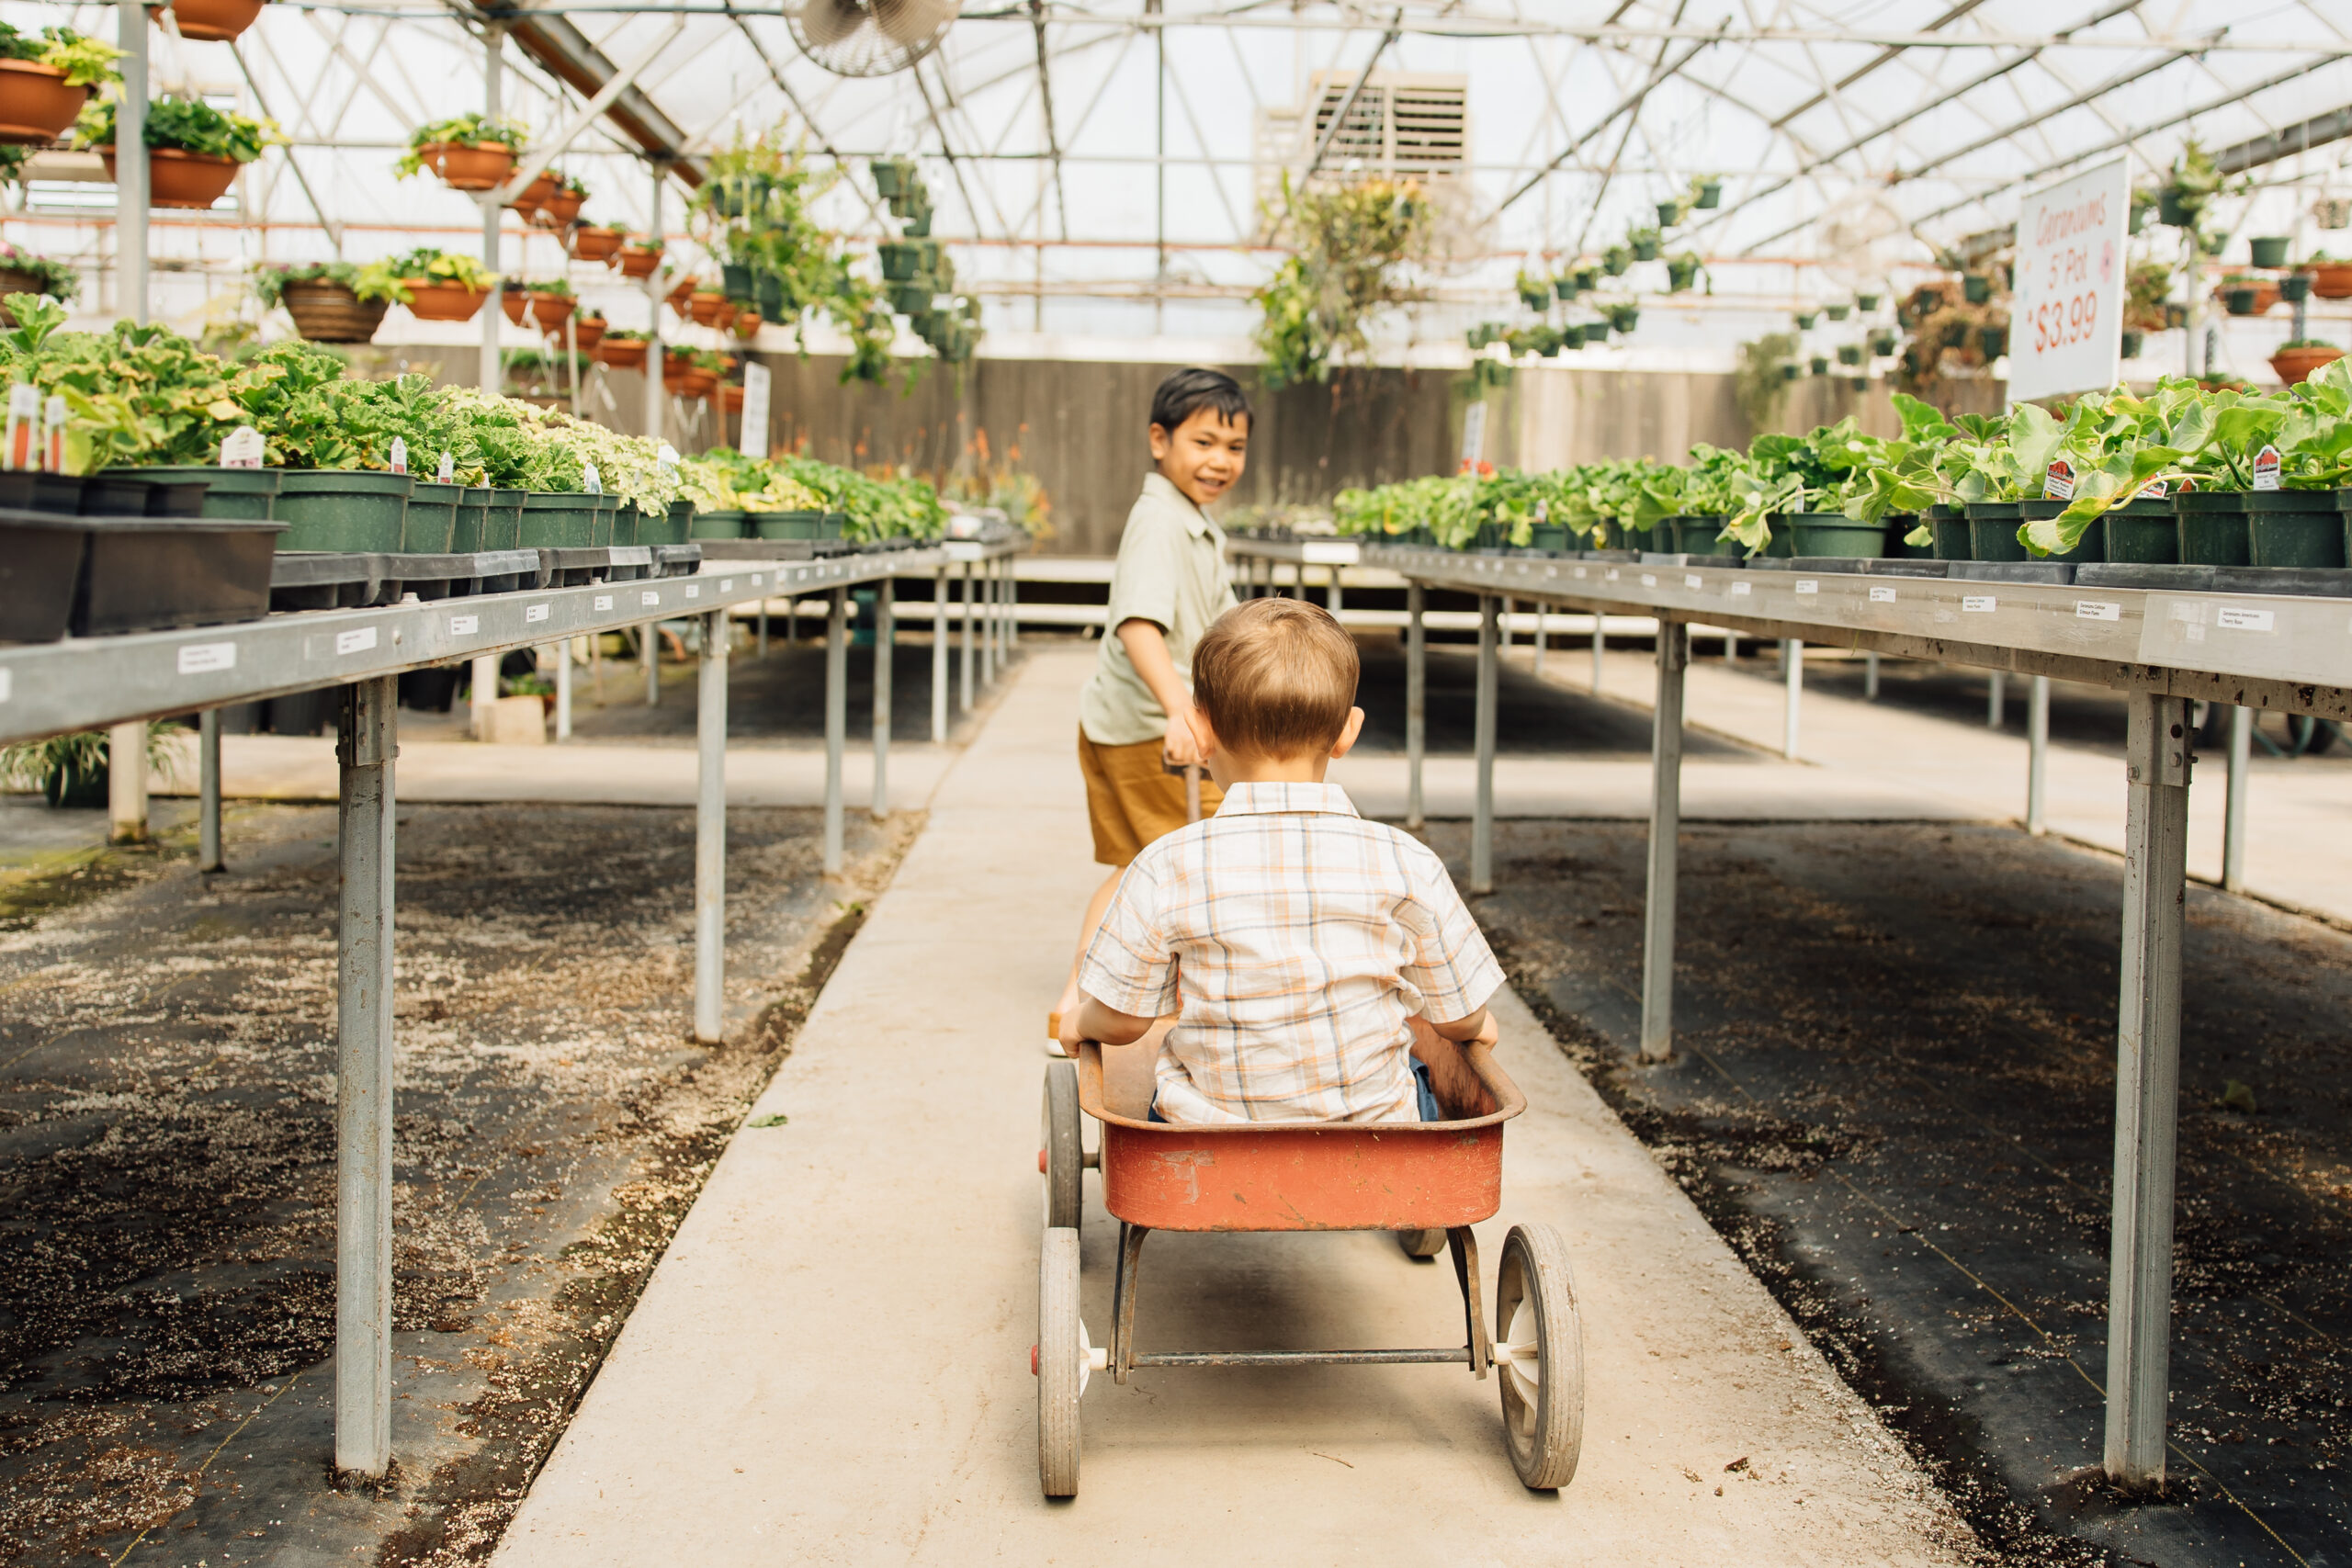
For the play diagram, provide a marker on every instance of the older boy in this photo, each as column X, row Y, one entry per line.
column 1324, row 966
column 1170, row 583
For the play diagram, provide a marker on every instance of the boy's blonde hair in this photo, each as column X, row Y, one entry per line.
column 1275, row 677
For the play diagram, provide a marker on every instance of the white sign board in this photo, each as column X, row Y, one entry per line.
column 2066, row 318
column 1473, row 435
column 754, row 441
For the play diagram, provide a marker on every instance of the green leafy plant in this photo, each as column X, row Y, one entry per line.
column 465, row 130
column 135, row 394
column 1351, row 249
column 187, row 125
column 435, row 266
column 57, row 279
column 47, row 765
column 86, row 61
column 374, row 281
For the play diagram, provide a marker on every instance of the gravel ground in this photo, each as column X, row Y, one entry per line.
column 1893, row 1093
column 167, row 1158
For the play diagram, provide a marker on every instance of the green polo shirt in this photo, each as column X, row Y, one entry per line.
column 1170, row 572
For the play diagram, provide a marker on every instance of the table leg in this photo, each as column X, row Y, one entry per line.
column 1416, row 699
column 208, row 807
column 1482, row 819
column 365, row 748
column 710, row 833
column 885, row 642
column 1666, row 832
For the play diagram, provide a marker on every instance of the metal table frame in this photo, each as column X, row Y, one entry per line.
column 90, row 683
column 2163, row 649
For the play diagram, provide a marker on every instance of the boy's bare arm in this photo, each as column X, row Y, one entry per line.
column 1147, row 648
column 1106, row 1025
column 1478, row 1026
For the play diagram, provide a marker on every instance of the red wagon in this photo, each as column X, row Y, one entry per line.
column 1427, row 1182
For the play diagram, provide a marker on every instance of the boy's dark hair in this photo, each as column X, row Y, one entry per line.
column 1276, row 677
column 1187, row 392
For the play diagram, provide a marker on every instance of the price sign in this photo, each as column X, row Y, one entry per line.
column 2066, row 316
column 753, row 441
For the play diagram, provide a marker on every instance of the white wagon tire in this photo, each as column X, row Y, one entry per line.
column 1057, row 1138
column 1539, row 1352
column 1063, row 1361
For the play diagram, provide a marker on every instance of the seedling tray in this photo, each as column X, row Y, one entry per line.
column 325, row 580
column 677, row 560
column 575, row 568
column 2327, row 583
column 757, row 549
column 147, row 574
column 41, row 564
column 631, row 563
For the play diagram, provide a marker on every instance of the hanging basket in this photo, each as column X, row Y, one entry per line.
column 620, row 353
column 464, row 166
column 538, row 194
column 2332, row 280
column 326, row 312
column 2269, row 250
column 178, row 179
column 704, row 306
column 36, row 106
column 213, row 21
column 587, row 332
column 559, row 211
column 591, row 243
column 636, row 261
column 1710, row 195
column 2293, row 364
column 430, row 301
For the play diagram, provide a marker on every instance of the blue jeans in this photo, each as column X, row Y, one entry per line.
column 1424, row 1097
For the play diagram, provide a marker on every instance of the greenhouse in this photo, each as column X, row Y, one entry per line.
column 1702, row 893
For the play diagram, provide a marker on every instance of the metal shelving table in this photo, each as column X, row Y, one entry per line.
column 2164, row 649
column 89, row 684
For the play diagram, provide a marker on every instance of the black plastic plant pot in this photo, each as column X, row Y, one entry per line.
column 1949, row 532
column 2294, row 528
column 73, row 790
column 886, row 177
column 1669, row 213
column 2173, row 210
column 243, row 494
column 771, row 291
column 790, row 525
column 1866, row 301
column 1565, row 286
column 1993, row 341
column 1710, row 197
column 146, row 574
column 1645, row 250
column 2239, row 302
column 1679, row 275
column 1838, row 313
column 1899, row 526
column 2295, row 288
column 1790, row 372
column 1626, row 318
column 1831, row 533
column 899, row 258
column 1849, row 354
column 1993, row 531
column 141, row 492
column 41, row 563
column 1975, row 288
column 1588, row 279
column 2142, row 533
column 341, row 509
column 2132, row 343
column 735, row 281
column 2269, row 250
column 431, row 521
column 2212, row 524
column 1821, row 365
column 2089, row 549
column 722, row 525
column 559, row 520
column 1884, row 342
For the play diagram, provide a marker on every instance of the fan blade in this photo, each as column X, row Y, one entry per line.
column 830, row 21
column 914, row 21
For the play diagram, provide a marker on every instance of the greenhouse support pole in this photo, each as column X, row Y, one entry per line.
column 564, row 690
column 127, row 782
column 885, row 633
column 648, row 654
column 1416, row 698
column 1870, row 676
column 1599, row 646
column 366, row 741
column 2233, row 807
column 1332, row 595
column 1482, row 814
column 2037, row 757
column 964, row 664
column 131, row 183
column 710, row 834
column 988, row 625
column 1793, row 667
column 493, row 100
column 1666, row 833
column 208, row 790
column 1542, row 611
column 653, row 314
column 2147, row 1086
column 1995, row 700
column 836, row 722
column 484, row 691
column 1502, row 627
column 1012, row 605
column 939, row 657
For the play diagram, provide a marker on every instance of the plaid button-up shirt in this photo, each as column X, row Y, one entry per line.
column 1295, row 939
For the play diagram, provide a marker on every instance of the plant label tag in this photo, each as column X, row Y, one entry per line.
column 2229, row 617
column 604, row 601
column 24, row 425
column 1740, row 590
column 1881, row 595
column 359, row 641
column 647, row 596
column 7, row 685
column 2185, row 486
column 727, row 585
column 2265, row 468
column 2155, row 489
column 2058, row 481
column 1649, row 579
column 2097, row 610
column 1611, row 574
column 400, row 455
column 693, row 592
column 533, row 614
column 1977, row 604
column 464, row 626
column 243, row 449
column 1808, row 585
column 590, row 479
column 208, row 658
column 757, row 580
column 53, row 441
column 1692, row 579
column 1579, row 571
column 447, row 470
column 666, row 457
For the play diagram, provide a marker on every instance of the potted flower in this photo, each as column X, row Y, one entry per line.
column 682, row 293
column 1566, row 285
column 1807, row 320
column 194, row 150
column 1624, row 317
column 591, row 243
column 471, row 152
column 212, row 21
column 1867, row 303
column 588, row 329
column 1681, row 271
column 561, row 207
column 1849, row 354
column 45, row 81
column 2299, row 356
column 538, row 194
column 2331, row 279
column 747, row 323
column 546, row 304
column 621, row 348
column 22, row 272
column 1643, row 241
column 441, row 287
column 637, row 256
column 1535, row 293
column 704, row 306
column 1706, row 193
column 330, row 301
column 2194, row 180
column 1615, row 260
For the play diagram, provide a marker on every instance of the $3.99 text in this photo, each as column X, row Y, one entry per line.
column 2061, row 322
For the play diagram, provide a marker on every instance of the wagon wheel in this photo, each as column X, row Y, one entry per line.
column 1062, row 1361
column 1059, row 1154
column 1539, row 1347
column 1421, row 1244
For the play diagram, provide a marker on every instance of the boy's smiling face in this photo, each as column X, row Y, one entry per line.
column 1204, row 455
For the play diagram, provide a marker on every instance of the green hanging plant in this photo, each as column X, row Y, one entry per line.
column 1351, row 247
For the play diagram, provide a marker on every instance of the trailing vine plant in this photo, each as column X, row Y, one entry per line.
column 1352, row 249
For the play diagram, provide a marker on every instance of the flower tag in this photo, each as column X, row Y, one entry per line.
column 667, row 456
column 400, row 455
column 243, row 449
column 2155, row 489
column 2058, row 483
column 24, row 425
column 447, row 470
column 52, row 456
column 2265, row 468
column 590, row 478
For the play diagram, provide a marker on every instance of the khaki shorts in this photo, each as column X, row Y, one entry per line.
column 1132, row 800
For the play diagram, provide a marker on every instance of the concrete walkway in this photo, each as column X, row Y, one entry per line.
column 830, row 1365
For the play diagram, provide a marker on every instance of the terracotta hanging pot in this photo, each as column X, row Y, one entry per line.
column 725, row 316
column 591, row 243
column 535, row 195
column 705, row 305
column 587, row 332
column 2294, row 364
column 622, row 354
column 463, row 165
column 213, row 21
column 700, row 383
column 747, row 323
column 637, row 261
column 2332, row 280
column 679, row 295
column 430, row 301
column 561, row 209
column 326, row 312
column 183, row 179
column 551, row 311
column 730, row 398
column 36, row 106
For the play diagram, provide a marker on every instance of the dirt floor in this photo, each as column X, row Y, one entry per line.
column 1893, row 1092
column 167, row 1156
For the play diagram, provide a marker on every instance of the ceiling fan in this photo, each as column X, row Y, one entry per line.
column 868, row 38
